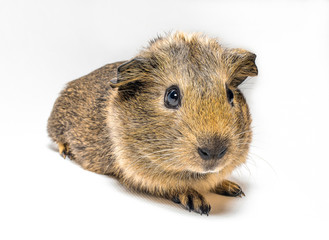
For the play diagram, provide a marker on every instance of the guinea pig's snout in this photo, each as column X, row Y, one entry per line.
column 215, row 149
column 208, row 154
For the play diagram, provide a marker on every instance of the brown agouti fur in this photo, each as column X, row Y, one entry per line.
column 170, row 122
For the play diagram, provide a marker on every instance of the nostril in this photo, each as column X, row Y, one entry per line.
column 204, row 153
column 208, row 154
column 222, row 152
column 213, row 148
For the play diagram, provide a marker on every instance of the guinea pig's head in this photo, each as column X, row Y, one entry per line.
column 176, row 106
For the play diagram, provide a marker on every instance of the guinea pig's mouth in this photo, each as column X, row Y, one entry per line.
column 213, row 166
column 211, row 171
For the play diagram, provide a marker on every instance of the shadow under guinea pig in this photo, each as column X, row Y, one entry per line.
column 53, row 146
column 220, row 205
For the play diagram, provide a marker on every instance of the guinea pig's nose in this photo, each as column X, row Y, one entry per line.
column 212, row 153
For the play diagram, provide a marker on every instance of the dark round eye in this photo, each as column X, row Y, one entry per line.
column 230, row 96
column 172, row 97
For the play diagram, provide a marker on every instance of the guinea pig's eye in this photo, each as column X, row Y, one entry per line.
column 230, row 96
column 172, row 97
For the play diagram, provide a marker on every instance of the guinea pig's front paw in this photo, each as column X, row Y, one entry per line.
column 192, row 201
column 228, row 188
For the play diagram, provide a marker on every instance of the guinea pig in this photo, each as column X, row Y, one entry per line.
column 170, row 122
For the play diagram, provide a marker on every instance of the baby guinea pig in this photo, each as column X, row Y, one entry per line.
column 171, row 122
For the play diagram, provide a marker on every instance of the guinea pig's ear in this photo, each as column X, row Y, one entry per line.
column 129, row 72
column 240, row 64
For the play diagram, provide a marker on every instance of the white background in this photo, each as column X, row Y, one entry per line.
column 44, row 44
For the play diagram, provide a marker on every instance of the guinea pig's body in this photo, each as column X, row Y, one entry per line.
column 171, row 122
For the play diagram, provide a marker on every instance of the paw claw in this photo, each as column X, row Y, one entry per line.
column 230, row 189
column 205, row 209
column 193, row 201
